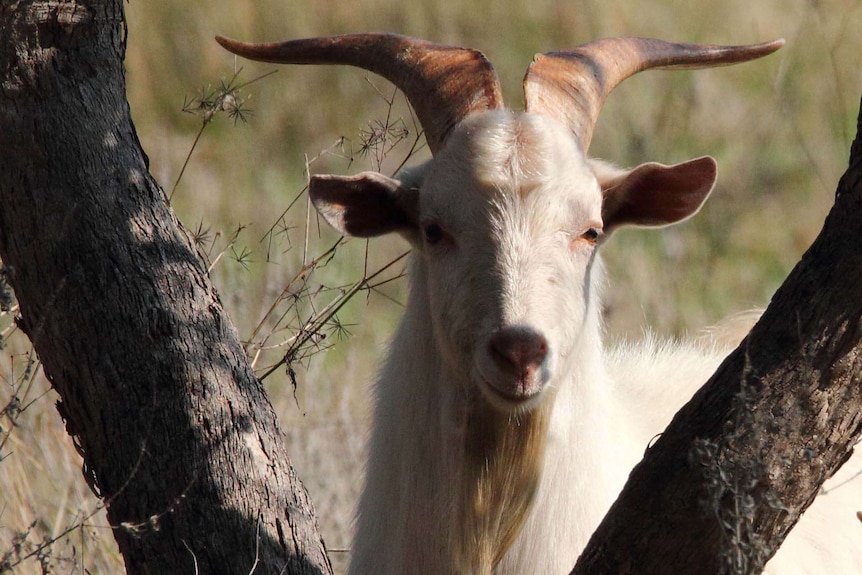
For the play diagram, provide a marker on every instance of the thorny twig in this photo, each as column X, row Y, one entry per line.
column 226, row 98
column 377, row 142
column 315, row 323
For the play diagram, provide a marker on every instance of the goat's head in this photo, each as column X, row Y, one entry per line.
column 508, row 213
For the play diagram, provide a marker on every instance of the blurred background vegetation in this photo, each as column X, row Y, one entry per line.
column 780, row 129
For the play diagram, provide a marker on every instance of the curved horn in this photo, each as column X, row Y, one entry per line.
column 444, row 84
column 572, row 85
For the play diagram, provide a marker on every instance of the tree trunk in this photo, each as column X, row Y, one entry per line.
column 176, row 432
column 778, row 418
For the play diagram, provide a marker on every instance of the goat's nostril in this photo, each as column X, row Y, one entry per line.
column 518, row 350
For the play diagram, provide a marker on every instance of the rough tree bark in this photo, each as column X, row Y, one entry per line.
column 176, row 433
column 782, row 413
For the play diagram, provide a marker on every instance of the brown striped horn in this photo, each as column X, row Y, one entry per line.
column 444, row 84
column 571, row 85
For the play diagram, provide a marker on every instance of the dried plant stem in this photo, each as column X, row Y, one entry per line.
column 319, row 320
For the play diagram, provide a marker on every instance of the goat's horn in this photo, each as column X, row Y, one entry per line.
column 444, row 84
column 571, row 85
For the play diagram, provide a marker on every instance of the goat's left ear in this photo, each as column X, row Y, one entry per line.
column 365, row 205
column 654, row 194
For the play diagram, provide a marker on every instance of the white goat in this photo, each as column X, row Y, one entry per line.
column 502, row 430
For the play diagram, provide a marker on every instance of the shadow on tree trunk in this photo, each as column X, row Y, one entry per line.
column 176, row 432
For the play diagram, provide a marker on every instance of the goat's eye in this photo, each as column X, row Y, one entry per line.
column 588, row 238
column 591, row 235
column 434, row 234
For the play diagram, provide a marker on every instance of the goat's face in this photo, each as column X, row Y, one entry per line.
column 507, row 219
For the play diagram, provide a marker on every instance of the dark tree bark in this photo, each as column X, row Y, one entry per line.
column 176, row 433
column 780, row 415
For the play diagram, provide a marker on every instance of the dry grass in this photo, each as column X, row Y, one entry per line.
column 780, row 129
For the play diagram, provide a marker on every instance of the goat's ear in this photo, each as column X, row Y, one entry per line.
column 654, row 194
column 365, row 205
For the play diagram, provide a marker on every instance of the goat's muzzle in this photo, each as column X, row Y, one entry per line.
column 518, row 355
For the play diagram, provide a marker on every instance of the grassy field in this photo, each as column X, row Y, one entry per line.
column 780, row 129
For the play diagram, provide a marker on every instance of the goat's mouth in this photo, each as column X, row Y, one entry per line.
column 512, row 391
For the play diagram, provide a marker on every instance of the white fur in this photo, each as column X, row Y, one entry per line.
column 450, row 462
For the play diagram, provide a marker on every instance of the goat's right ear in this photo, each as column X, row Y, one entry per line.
column 365, row 205
column 654, row 194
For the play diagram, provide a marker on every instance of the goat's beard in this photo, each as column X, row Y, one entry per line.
column 504, row 459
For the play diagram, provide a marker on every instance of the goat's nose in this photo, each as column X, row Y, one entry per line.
column 518, row 350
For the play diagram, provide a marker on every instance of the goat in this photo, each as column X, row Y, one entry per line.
column 503, row 430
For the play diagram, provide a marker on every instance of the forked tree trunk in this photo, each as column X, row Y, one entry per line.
column 779, row 417
column 176, row 432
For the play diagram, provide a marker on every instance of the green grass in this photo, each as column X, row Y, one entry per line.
column 780, row 129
